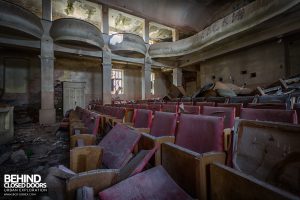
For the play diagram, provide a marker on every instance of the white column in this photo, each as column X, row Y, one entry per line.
column 146, row 79
column 146, row 31
column 105, row 24
column 175, row 35
column 106, row 79
column 47, row 114
column 177, row 76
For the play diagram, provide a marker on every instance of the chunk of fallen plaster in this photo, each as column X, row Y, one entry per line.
column 19, row 156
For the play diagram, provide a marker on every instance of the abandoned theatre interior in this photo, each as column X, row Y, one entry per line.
column 150, row 99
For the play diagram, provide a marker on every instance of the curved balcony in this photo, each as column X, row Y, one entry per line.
column 127, row 45
column 76, row 33
column 16, row 21
column 234, row 24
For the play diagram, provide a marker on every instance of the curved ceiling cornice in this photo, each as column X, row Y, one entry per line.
column 76, row 32
column 233, row 24
column 19, row 20
column 127, row 45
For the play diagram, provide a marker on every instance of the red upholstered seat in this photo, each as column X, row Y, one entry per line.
column 92, row 123
column 154, row 107
column 118, row 145
column 142, row 118
column 190, row 110
column 164, row 124
column 280, row 106
column 227, row 112
column 237, row 106
column 205, row 104
column 153, row 184
column 200, row 133
column 297, row 109
column 287, row 116
column 170, row 108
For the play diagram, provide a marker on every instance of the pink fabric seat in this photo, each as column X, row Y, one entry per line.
column 118, row 145
column 200, row 133
column 205, row 104
column 238, row 107
column 154, row 183
column 163, row 124
column 297, row 109
column 142, row 118
column 154, row 107
column 173, row 108
column 227, row 112
column 195, row 110
column 280, row 106
column 287, row 116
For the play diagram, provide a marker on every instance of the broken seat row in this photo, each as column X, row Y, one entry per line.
column 181, row 157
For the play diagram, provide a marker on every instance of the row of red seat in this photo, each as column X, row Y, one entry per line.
column 88, row 121
column 196, row 138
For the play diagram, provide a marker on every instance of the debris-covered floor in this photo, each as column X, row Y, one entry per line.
column 34, row 149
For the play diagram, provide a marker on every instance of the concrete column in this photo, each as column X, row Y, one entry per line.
column 47, row 112
column 146, row 79
column 177, row 76
column 146, row 31
column 105, row 24
column 175, row 35
column 47, row 10
column 106, row 73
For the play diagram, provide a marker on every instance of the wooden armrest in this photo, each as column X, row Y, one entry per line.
column 78, row 130
column 188, row 168
column 223, row 179
column 227, row 138
column 183, row 166
column 144, row 130
column 128, row 124
column 117, row 121
column 85, row 158
column 97, row 179
column 89, row 139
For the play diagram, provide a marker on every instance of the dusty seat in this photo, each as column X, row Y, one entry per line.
column 280, row 106
column 200, row 133
column 238, row 107
column 142, row 118
column 173, row 108
column 287, row 116
column 297, row 109
column 154, row 183
column 268, row 152
column 227, row 112
column 117, row 147
column 188, row 109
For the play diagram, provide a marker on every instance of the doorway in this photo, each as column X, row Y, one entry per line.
column 73, row 95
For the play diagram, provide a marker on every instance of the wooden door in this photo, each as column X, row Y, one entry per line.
column 73, row 95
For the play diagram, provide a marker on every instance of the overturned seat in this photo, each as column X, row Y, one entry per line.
column 154, row 183
column 113, row 152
